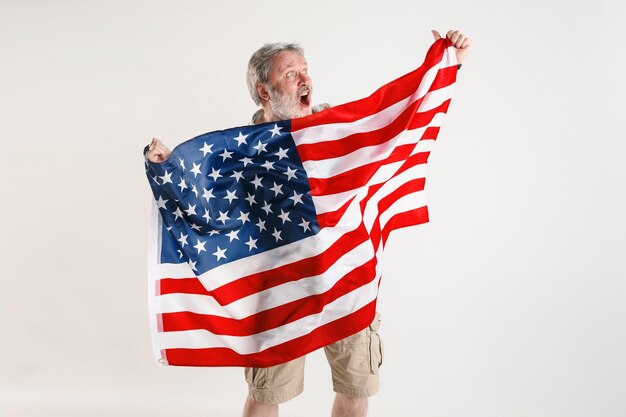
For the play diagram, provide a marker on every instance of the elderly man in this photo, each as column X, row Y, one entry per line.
column 279, row 82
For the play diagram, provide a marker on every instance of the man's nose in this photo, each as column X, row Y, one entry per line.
column 303, row 78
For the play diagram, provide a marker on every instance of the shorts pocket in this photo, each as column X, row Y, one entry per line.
column 258, row 377
column 376, row 349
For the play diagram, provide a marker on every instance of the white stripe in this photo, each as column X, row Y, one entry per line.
column 198, row 339
column 435, row 99
column 331, row 202
column 272, row 297
column 315, row 134
column 408, row 202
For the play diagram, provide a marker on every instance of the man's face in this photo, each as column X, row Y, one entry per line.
column 290, row 86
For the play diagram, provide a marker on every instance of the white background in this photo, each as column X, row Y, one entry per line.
column 509, row 303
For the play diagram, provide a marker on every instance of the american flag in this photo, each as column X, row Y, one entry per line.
column 266, row 240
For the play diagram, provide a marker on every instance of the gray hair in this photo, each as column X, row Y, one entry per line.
column 260, row 65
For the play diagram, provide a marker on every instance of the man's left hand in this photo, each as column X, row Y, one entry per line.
column 460, row 41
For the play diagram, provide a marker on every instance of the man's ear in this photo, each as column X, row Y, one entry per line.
column 262, row 92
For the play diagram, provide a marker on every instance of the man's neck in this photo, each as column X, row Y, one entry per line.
column 261, row 116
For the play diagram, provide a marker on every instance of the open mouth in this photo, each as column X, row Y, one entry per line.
column 305, row 98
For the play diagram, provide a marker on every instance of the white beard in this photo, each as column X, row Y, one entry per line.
column 285, row 107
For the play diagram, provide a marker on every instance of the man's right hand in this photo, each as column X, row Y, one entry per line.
column 157, row 152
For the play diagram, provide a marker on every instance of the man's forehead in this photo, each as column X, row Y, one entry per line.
column 286, row 59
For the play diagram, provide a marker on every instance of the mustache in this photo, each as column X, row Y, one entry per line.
column 304, row 89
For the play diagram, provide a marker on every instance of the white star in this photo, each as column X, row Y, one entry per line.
column 192, row 265
column 208, row 194
column 260, row 147
column 233, row 235
column 182, row 163
column 223, row 217
column 226, row 155
column 200, row 246
column 237, row 175
column 257, row 182
column 244, row 217
column 261, row 225
column 182, row 184
column 183, row 240
column 206, row 215
column 267, row 208
column 178, row 213
column 268, row 165
column 214, row 232
column 277, row 189
column 194, row 190
column 220, row 253
column 166, row 178
column 161, row 203
column 276, row 130
column 304, row 225
column 282, row 153
column 276, row 235
column 284, row 216
column 215, row 173
column 291, row 173
column 297, row 198
column 180, row 254
column 251, row 243
column 246, row 161
column 206, row 149
column 195, row 227
column 191, row 210
column 169, row 228
column 250, row 199
column 196, row 169
column 230, row 196
column 241, row 139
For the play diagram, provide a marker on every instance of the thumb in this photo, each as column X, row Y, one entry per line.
column 436, row 35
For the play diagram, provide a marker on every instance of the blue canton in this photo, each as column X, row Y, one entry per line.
column 230, row 194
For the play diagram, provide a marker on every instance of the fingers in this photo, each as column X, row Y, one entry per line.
column 436, row 35
column 458, row 39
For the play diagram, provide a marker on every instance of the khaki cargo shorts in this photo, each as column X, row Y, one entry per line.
column 354, row 362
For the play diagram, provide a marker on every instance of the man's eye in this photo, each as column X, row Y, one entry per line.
column 305, row 71
column 290, row 75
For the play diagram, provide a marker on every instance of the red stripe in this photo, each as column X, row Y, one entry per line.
column 320, row 337
column 382, row 98
column 332, row 218
column 182, row 285
column 408, row 187
column 274, row 317
column 425, row 118
column 405, row 219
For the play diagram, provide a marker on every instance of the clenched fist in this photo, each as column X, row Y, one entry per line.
column 460, row 41
column 157, row 151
